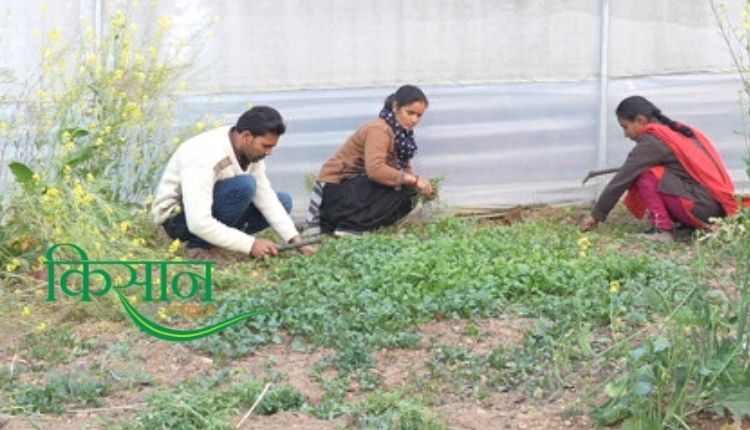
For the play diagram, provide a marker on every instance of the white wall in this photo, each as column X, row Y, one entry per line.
column 299, row 44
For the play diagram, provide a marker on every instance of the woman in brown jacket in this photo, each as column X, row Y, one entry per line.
column 369, row 182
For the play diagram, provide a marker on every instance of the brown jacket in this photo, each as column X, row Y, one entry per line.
column 370, row 150
column 650, row 151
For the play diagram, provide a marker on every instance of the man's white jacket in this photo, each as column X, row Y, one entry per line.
column 188, row 182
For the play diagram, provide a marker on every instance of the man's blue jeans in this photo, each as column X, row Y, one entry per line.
column 233, row 206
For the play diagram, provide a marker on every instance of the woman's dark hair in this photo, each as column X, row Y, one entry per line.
column 261, row 120
column 633, row 106
column 406, row 95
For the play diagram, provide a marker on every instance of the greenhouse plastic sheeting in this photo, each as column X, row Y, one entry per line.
column 494, row 145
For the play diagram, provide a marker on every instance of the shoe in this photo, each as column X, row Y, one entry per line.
column 347, row 233
column 656, row 234
column 311, row 231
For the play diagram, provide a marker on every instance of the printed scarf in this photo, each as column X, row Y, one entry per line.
column 405, row 145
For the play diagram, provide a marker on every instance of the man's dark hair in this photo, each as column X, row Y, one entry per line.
column 261, row 120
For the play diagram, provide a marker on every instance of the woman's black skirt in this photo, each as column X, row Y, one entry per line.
column 362, row 205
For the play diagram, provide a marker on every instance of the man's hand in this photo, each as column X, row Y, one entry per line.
column 306, row 250
column 589, row 223
column 424, row 186
column 263, row 248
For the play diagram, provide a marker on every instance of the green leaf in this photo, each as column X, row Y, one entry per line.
column 642, row 388
column 22, row 172
column 641, row 423
column 76, row 132
column 638, row 353
column 614, row 389
column 661, row 343
column 737, row 400
column 610, row 413
column 583, row 341
column 80, row 156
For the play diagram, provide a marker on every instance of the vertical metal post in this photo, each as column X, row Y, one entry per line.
column 98, row 23
column 603, row 84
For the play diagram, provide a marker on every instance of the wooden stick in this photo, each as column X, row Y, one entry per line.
column 595, row 173
column 262, row 393
column 12, row 364
column 110, row 408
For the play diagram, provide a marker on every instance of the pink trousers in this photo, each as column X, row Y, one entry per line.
column 663, row 209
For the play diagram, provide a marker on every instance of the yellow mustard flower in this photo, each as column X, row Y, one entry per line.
column 175, row 246
column 584, row 243
column 162, row 314
column 26, row 311
column 41, row 326
column 117, row 75
column 40, row 262
column 139, row 241
column 133, row 112
column 124, row 58
column 88, row 33
column 55, row 35
column 4, row 126
column 78, row 191
column 125, row 226
column 119, row 19
column 12, row 265
column 165, row 22
column 614, row 287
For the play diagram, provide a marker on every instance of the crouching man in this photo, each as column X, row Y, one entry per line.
column 214, row 192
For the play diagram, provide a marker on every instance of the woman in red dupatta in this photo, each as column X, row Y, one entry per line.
column 674, row 174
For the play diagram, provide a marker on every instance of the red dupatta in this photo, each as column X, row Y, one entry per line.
column 700, row 159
